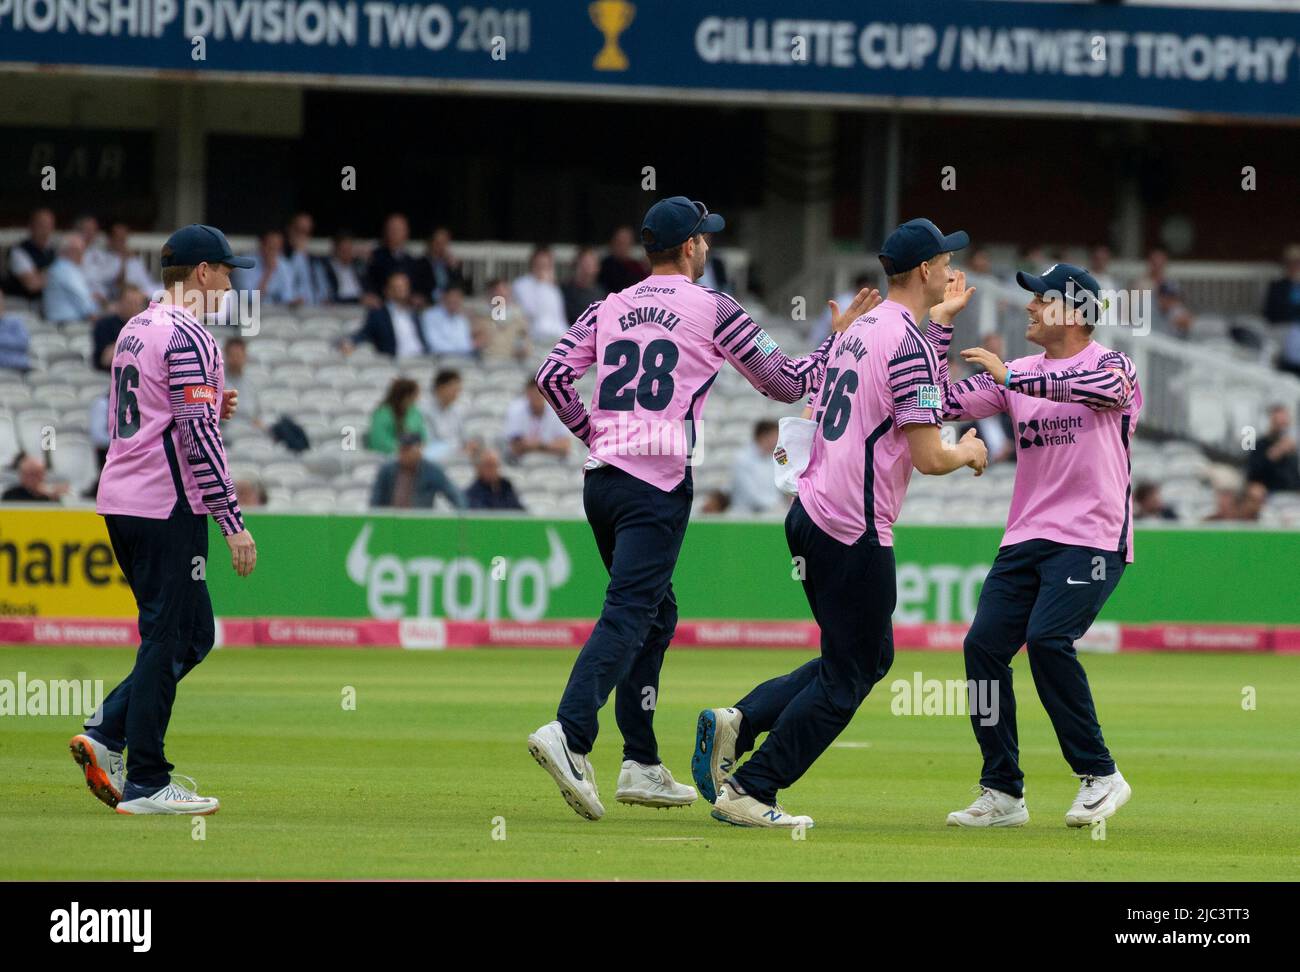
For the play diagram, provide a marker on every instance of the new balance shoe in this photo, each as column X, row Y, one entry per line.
column 174, row 798
column 992, row 808
column 714, row 758
column 104, row 769
column 652, row 786
column 1099, row 797
column 573, row 773
column 738, row 808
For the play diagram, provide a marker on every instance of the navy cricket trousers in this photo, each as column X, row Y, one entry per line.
column 638, row 530
column 1045, row 595
column 852, row 590
column 177, row 631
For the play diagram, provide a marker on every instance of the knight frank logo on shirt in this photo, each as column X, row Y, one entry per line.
column 92, row 926
column 1049, row 431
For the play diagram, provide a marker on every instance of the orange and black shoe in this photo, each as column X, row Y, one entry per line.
column 105, row 770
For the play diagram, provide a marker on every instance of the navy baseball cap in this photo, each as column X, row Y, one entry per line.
column 916, row 241
column 197, row 243
column 1075, row 284
column 671, row 222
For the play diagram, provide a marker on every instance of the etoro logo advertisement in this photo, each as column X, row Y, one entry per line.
column 458, row 588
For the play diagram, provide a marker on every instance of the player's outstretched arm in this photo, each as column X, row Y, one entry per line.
column 568, row 361
column 1109, row 386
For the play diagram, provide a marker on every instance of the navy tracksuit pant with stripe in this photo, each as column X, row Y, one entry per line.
column 852, row 591
column 639, row 531
column 1045, row 595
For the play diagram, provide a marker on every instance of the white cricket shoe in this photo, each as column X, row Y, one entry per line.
column 573, row 774
column 652, row 786
column 105, row 770
column 992, row 808
column 174, row 798
column 1099, row 797
column 741, row 810
column 714, row 758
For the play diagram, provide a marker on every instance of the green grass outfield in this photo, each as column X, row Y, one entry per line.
column 409, row 784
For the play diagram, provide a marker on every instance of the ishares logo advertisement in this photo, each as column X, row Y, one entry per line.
column 460, row 588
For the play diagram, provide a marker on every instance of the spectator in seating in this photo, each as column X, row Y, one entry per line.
column 250, row 492
column 15, row 342
column 1148, row 504
column 444, row 418
column 340, row 276
column 391, row 327
column 532, row 426
column 103, row 336
column 113, row 267
column 1273, row 463
column 979, row 262
column 714, row 276
column 447, row 328
column 270, row 275
column 412, row 482
column 388, row 258
column 490, row 490
column 716, row 502
column 235, row 354
column 1282, row 308
column 1172, row 316
column 30, row 260
column 86, row 227
column 620, row 269
column 753, row 489
column 396, row 416
column 67, row 295
column 99, row 440
column 299, row 264
column 438, row 269
column 503, row 334
column 31, row 486
column 583, row 288
column 1156, row 273
column 821, row 329
column 541, row 298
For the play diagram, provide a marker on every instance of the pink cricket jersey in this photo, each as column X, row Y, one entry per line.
column 657, row 347
column 164, row 400
column 881, row 375
column 1074, row 419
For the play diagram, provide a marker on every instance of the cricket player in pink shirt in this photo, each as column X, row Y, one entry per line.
column 657, row 347
column 166, row 472
column 878, row 417
column 1069, row 536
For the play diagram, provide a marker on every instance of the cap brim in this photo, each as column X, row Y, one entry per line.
column 243, row 263
column 955, row 241
column 1035, row 285
column 713, row 223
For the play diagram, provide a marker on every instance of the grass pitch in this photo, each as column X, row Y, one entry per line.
column 432, row 765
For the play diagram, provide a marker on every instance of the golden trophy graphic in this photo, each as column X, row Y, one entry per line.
column 611, row 18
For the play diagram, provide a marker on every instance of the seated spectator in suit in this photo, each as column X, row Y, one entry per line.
column 444, row 418
column 396, row 416
column 30, row 260
column 753, row 488
column 532, row 426
column 1148, row 504
column 391, row 327
column 67, row 295
column 15, row 342
column 438, row 269
column 388, row 258
column 86, row 227
column 490, row 490
column 620, row 269
column 412, row 482
column 31, row 486
column 503, row 333
column 299, row 263
column 1282, row 308
column 541, row 299
column 583, row 288
column 447, row 328
column 112, row 268
column 341, row 275
column 103, row 335
column 270, row 275
column 1273, row 462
